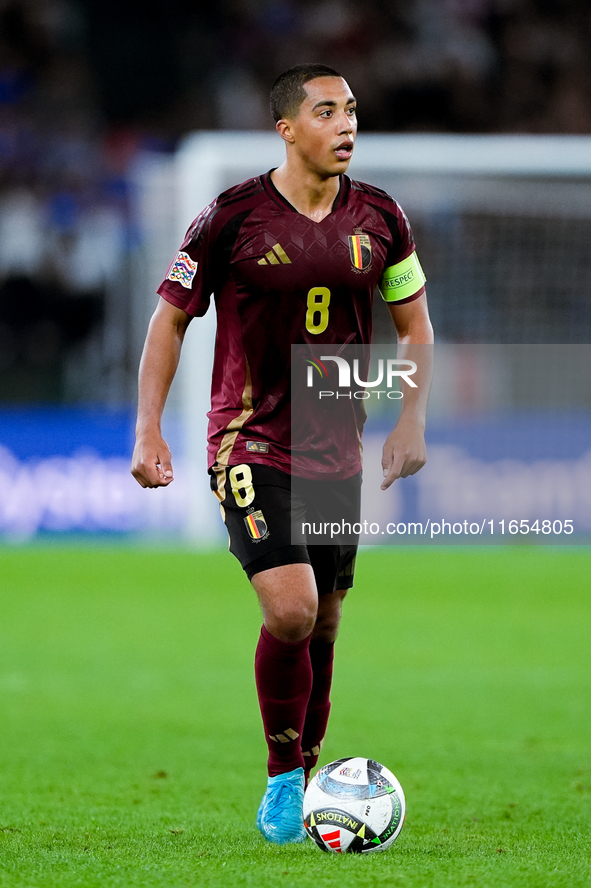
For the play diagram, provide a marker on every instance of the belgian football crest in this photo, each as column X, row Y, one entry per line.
column 256, row 525
column 360, row 250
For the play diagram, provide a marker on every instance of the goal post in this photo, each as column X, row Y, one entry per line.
column 503, row 224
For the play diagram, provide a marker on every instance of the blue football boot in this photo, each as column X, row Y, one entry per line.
column 280, row 817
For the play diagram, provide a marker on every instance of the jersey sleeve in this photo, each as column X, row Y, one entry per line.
column 189, row 281
column 403, row 279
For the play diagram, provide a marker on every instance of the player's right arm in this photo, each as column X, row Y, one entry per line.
column 151, row 463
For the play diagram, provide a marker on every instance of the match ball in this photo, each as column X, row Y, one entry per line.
column 354, row 805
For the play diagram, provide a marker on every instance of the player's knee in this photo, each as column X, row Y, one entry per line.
column 326, row 629
column 292, row 620
column 329, row 616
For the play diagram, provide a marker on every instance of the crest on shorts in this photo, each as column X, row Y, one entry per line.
column 360, row 250
column 182, row 270
column 256, row 525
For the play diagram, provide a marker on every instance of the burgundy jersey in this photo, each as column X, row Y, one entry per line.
column 278, row 279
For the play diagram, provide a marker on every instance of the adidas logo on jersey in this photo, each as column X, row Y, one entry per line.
column 275, row 256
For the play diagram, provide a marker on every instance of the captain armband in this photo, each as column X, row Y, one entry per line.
column 403, row 280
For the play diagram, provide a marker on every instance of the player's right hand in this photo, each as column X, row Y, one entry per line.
column 151, row 464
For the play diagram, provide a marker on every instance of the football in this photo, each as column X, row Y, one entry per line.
column 354, row 805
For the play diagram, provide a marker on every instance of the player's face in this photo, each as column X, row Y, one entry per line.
column 324, row 130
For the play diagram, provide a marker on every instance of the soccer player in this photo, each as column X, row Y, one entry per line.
column 291, row 256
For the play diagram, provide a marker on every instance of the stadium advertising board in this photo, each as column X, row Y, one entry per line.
column 508, row 443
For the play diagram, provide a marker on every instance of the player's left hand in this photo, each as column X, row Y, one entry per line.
column 404, row 451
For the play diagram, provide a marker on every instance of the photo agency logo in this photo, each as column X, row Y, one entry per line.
column 345, row 380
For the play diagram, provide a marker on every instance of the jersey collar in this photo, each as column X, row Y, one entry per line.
column 339, row 201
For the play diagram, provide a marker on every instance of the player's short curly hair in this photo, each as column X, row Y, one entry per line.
column 288, row 93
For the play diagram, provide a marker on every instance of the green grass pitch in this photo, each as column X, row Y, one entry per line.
column 131, row 752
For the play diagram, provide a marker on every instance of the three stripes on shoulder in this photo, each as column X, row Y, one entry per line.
column 275, row 256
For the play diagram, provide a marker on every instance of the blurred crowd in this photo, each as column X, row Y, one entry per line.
column 86, row 85
column 63, row 198
column 428, row 65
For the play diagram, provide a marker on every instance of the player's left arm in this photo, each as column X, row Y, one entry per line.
column 404, row 451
